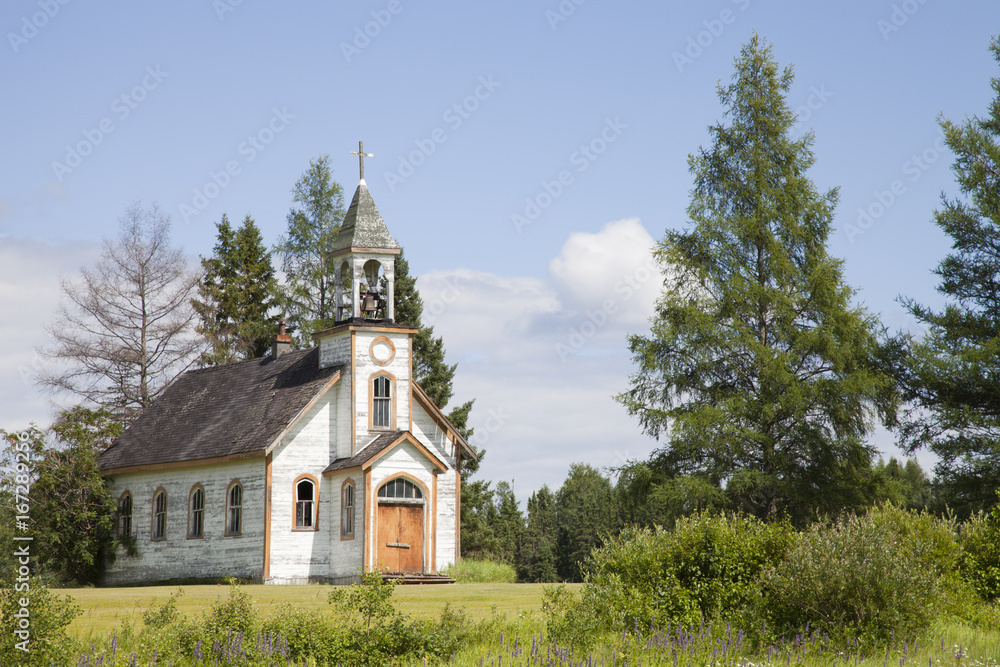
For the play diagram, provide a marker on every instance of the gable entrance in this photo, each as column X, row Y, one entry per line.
column 400, row 546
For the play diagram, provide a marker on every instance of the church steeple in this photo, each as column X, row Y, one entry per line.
column 368, row 252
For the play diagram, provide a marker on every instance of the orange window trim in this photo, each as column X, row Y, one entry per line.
column 225, row 527
column 295, row 502
column 393, row 386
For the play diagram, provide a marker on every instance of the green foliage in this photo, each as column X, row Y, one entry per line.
column 875, row 576
column 164, row 614
column 585, row 507
column 952, row 374
column 980, row 559
column 539, row 549
column 237, row 293
column 903, row 485
column 758, row 366
column 704, row 569
column 472, row 571
column 236, row 612
column 47, row 618
column 307, row 295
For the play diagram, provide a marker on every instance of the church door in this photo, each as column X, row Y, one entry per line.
column 400, row 526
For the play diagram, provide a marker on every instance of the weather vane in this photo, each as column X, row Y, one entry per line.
column 361, row 156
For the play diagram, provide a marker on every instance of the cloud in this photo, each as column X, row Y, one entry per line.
column 543, row 358
column 29, row 291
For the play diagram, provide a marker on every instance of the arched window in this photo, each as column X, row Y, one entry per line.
column 125, row 515
column 159, row 531
column 347, row 509
column 234, row 508
column 400, row 488
column 196, row 512
column 306, row 503
column 381, row 408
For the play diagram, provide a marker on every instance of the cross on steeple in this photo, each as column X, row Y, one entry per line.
column 361, row 156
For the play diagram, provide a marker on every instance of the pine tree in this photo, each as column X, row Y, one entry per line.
column 508, row 527
column 236, row 293
column 952, row 375
column 538, row 555
column 307, row 295
column 764, row 376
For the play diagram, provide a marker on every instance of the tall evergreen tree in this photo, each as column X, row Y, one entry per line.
column 236, row 301
column 307, row 295
column 952, row 375
column 508, row 527
column 759, row 368
column 585, row 508
column 538, row 554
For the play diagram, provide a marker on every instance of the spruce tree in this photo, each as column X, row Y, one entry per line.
column 538, row 553
column 585, row 506
column 759, row 370
column 952, row 374
column 236, row 301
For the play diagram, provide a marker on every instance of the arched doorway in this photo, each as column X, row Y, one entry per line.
column 400, row 546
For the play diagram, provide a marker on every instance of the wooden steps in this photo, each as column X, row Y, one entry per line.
column 417, row 578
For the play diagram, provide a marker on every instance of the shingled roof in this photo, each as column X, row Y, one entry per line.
column 222, row 411
column 376, row 447
column 363, row 226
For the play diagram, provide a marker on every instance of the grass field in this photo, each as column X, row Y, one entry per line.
column 105, row 608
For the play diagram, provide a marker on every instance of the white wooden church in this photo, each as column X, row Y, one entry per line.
column 302, row 466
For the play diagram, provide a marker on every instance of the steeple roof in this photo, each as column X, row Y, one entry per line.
column 363, row 226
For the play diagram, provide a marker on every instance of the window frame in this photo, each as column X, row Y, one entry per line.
column 229, row 507
column 417, row 485
column 393, row 385
column 192, row 512
column 154, row 524
column 314, row 515
column 348, row 511
column 126, row 495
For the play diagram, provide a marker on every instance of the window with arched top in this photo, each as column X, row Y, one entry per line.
column 382, row 401
column 306, row 503
column 400, row 488
column 159, row 528
column 347, row 509
column 234, row 508
column 124, row 524
column 196, row 512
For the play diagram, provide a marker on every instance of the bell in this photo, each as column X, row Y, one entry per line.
column 370, row 304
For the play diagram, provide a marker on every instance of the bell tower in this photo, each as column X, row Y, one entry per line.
column 364, row 256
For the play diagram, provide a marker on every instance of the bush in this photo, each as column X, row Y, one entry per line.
column 236, row 613
column 872, row 577
column 48, row 617
column 472, row 571
column 706, row 568
column 980, row 555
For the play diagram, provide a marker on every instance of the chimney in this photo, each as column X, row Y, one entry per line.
column 282, row 342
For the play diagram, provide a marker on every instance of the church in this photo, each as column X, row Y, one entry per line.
column 302, row 466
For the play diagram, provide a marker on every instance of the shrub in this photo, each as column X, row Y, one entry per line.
column 472, row 571
column 705, row 568
column 980, row 556
column 158, row 617
column 872, row 577
column 48, row 617
column 236, row 613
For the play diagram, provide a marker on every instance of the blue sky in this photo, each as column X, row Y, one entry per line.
column 577, row 116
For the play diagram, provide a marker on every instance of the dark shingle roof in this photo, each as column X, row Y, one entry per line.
column 233, row 409
column 363, row 226
column 370, row 450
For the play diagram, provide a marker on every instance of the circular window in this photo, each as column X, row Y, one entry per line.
column 382, row 351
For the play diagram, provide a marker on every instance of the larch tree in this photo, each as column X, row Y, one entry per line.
column 124, row 330
column 236, row 296
column 307, row 295
column 760, row 371
column 952, row 374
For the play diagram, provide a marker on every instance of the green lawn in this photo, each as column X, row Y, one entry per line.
column 104, row 608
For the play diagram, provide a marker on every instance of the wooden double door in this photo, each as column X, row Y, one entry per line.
column 400, row 537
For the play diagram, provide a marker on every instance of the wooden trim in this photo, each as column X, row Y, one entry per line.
column 295, row 503
column 355, row 250
column 267, row 518
column 368, row 520
column 331, row 473
column 131, row 514
column 371, row 350
column 204, row 496
column 393, row 394
column 438, row 463
column 354, row 396
column 166, row 515
column 225, row 526
column 354, row 523
column 458, row 509
column 363, row 327
column 434, row 514
column 185, row 464
column 409, row 385
column 441, row 419
column 302, row 413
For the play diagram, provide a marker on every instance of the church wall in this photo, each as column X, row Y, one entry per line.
column 365, row 367
column 298, row 556
column 347, row 553
column 212, row 556
column 428, row 432
column 335, row 350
